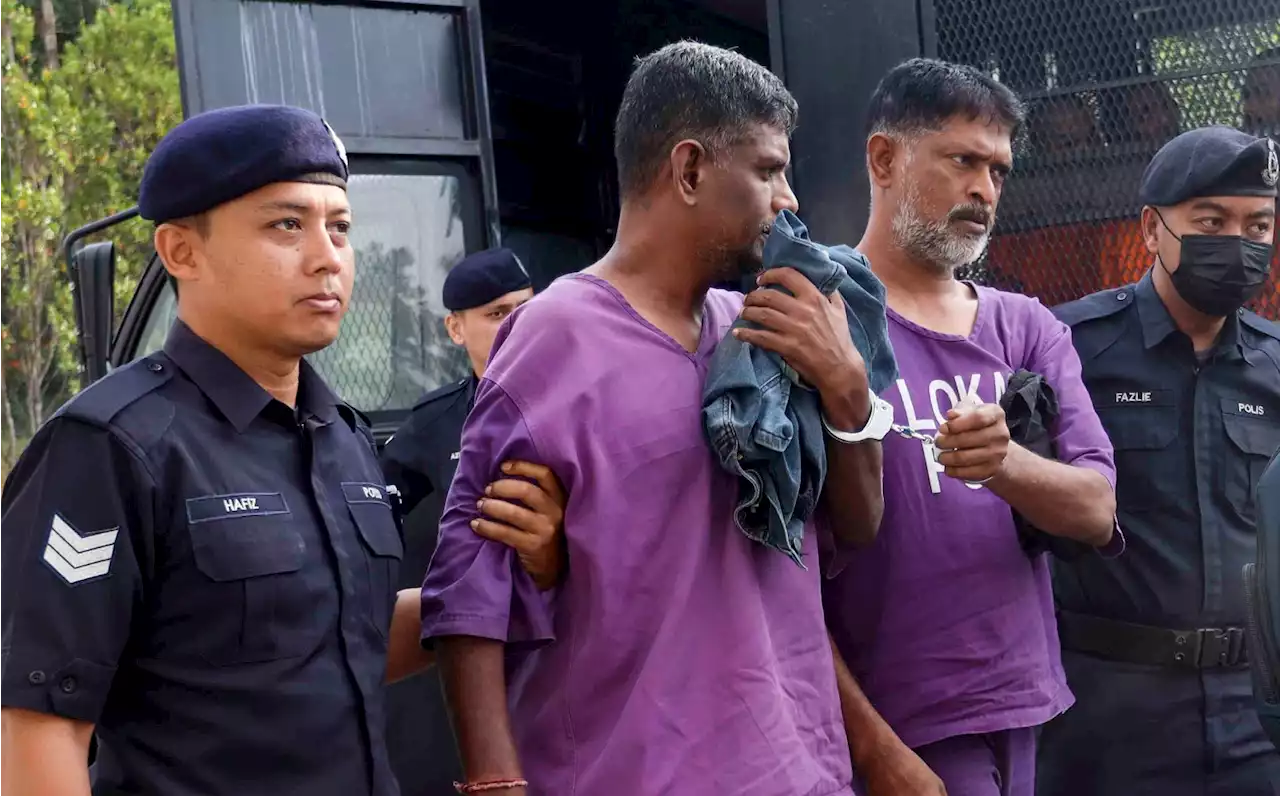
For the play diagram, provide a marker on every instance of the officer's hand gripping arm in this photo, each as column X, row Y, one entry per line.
column 528, row 516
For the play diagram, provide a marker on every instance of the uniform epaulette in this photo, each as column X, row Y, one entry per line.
column 107, row 397
column 1094, row 306
column 1260, row 324
column 452, row 388
column 354, row 417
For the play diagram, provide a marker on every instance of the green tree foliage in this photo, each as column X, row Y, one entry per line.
column 75, row 139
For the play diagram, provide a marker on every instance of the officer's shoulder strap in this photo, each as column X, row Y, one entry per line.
column 101, row 401
column 1259, row 324
column 440, row 395
column 359, row 423
column 1097, row 305
column 354, row 417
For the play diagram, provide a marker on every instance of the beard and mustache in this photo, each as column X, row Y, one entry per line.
column 936, row 242
column 733, row 263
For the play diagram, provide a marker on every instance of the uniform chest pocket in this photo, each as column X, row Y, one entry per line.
column 250, row 555
column 382, row 546
column 1141, row 433
column 1253, row 440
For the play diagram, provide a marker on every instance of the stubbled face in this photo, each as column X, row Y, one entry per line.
column 275, row 267
column 742, row 191
column 475, row 329
column 946, row 186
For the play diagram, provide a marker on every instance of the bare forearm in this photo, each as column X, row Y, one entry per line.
column 1059, row 499
column 853, row 491
column 869, row 734
column 475, row 686
column 44, row 755
column 405, row 655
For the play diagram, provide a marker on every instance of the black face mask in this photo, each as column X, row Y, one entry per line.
column 1218, row 274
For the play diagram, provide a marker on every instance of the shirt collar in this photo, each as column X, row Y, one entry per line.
column 237, row 396
column 1157, row 323
column 472, row 383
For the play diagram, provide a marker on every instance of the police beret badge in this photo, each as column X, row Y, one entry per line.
column 1271, row 174
column 337, row 142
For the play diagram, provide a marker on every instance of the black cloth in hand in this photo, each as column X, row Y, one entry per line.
column 1030, row 411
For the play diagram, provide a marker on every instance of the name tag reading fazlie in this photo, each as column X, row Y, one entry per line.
column 242, row 504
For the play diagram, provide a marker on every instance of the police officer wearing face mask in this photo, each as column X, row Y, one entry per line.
column 1187, row 384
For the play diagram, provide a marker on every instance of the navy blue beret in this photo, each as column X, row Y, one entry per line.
column 483, row 277
column 1210, row 161
column 223, row 154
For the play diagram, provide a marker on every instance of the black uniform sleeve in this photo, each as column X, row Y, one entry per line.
column 414, row 484
column 78, row 519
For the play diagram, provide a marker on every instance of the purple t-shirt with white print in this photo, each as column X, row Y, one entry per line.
column 946, row 622
column 677, row 657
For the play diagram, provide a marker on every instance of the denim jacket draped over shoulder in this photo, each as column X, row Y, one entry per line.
column 763, row 422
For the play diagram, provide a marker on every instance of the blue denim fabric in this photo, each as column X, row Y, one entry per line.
column 762, row 421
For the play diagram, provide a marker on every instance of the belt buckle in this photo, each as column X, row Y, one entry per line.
column 1219, row 647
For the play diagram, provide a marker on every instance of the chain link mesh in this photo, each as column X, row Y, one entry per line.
column 393, row 347
column 1107, row 82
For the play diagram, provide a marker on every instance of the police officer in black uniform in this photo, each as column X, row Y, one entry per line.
column 479, row 292
column 199, row 556
column 1187, row 384
column 420, row 459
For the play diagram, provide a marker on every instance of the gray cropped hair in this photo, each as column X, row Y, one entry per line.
column 919, row 96
column 690, row 90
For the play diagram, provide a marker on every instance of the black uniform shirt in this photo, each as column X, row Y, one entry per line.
column 1192, row 436
column 1191, row 440
column 421, row 457
column 207, row 575
column 420, row 460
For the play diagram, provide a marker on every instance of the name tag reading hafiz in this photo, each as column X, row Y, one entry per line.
column 243, row 504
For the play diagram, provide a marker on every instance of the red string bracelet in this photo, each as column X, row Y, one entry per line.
column 496, row 784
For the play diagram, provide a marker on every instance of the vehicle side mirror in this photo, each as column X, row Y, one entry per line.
column 93, row 272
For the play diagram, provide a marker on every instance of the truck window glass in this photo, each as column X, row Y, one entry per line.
column 407, row 233
column 163, row 313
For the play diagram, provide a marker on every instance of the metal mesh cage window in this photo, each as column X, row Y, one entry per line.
column 1107, row 83
column 407, row 234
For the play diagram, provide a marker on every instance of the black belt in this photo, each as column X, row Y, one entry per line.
column 1205, row 648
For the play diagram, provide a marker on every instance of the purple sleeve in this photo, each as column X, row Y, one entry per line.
column 1079, row 436
column 475, row 587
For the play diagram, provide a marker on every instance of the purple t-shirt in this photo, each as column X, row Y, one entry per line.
column 677, row 657
column 946, row 622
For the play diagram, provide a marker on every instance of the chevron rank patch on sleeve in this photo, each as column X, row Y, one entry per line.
column 76, row 557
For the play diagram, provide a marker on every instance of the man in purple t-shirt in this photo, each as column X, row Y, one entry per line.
column 945, row 622
column 687, row 659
